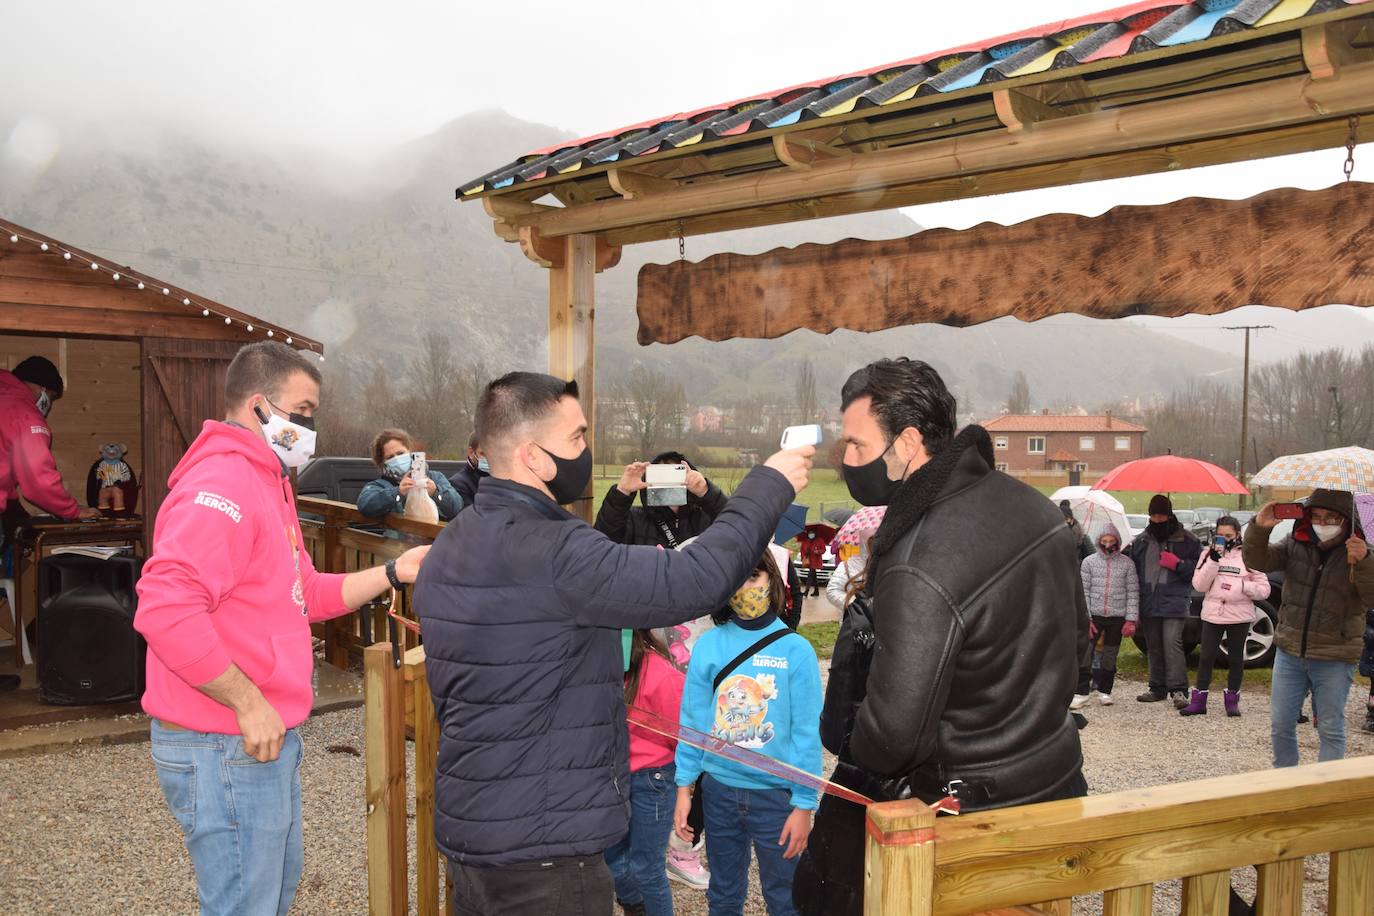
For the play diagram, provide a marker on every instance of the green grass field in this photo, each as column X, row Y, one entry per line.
column 827, row 491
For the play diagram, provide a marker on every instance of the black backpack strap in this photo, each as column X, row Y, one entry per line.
column 667, row 533
column 748, row 653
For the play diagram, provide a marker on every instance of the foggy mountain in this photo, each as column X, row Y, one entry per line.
column 370, row 258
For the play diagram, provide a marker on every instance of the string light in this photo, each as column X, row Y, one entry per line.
column 116, row 276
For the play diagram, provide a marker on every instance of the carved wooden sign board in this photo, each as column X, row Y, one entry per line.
column 1288, row 248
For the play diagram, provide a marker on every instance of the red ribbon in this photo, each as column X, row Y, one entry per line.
column 752, row 759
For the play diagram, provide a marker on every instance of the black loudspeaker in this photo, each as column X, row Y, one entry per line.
column 88, row 650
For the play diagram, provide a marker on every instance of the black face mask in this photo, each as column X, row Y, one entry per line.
column 1160, row 530
column 571, row 476
column 1110, row 549
column 869, row 483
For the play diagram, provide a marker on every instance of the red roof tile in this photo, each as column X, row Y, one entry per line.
column 1055, row 423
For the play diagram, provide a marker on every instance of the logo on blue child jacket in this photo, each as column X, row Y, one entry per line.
column 742, row 711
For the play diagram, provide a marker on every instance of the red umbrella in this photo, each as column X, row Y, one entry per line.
column 1171, row 474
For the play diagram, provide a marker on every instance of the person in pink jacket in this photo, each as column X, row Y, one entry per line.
column 225, row 602
column 1228, row 608
column 653, row 682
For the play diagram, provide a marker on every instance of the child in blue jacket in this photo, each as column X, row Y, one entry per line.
column 770, row 703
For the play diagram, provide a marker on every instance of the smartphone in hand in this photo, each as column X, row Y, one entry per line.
column 1288, row 510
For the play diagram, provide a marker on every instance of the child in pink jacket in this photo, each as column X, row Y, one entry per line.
column 652, row 683
column 1228, row 608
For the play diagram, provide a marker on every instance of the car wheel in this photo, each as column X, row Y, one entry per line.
column 1259, row 644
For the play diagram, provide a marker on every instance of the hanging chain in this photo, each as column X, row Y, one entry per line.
column 1349, row 167
column 682, row 240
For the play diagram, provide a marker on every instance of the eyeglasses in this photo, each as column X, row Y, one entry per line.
column 1325, row 517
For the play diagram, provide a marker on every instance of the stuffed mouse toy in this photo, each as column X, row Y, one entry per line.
column 111, row 471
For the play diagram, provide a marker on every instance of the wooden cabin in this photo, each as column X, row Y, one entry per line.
column 143, row 359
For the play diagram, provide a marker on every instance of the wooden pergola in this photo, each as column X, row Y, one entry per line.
column 1147, row 88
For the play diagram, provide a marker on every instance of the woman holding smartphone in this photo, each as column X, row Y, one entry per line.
column 1228, row 608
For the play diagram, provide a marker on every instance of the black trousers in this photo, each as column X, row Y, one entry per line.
column 576, row 886
column 812, row 584
column 1236, row 634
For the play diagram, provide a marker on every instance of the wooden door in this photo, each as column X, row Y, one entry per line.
column 183, row 386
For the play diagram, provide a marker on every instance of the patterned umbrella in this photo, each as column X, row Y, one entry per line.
column 860, row 526
column 1364, row 506
column 1350, row 469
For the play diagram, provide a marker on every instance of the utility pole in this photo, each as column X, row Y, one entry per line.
column 1245, row 395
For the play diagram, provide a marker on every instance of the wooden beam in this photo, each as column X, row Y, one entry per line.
column 1288, row 248
column 1283, row 141
column 66, row 321
column 1018, row 109
column 1328, row 48
column 1351, row 882
column 543, row 251
column 1225, row 113
column 1207, row 894
column 572, row 335
column 633, row 185
column 1129, row 901
column 802, row 153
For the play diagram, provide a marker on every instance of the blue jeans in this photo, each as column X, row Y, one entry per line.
column 1329, row 684
column 735, row 818
column 241, row 819
column 637, row 861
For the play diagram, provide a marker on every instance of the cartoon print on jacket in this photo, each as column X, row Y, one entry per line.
column 742, row 711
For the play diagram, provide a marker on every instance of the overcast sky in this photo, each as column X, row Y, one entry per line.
column 354, row 78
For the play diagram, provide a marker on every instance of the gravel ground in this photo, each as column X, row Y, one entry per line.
column 95, row 836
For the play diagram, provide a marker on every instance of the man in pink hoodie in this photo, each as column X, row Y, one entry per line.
column 27, row 394
column 226, row 602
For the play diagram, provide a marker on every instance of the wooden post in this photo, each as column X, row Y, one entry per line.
column 572, row 337
column 899, row 864
column 1351, row 885
column 1207, row 895
column 1279, row 888
column 385, row 779
column 426, row 755
column 336, row 630
column 1129, row 901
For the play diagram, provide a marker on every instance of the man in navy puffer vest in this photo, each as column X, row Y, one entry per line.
column 521, row 606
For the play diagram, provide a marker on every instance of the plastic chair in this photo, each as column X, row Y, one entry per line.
column 12, row 602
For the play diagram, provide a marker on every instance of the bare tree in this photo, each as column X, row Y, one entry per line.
column 807, row 404
column 1019, row 398
column 650, row 405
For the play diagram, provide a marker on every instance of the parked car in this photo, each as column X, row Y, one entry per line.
column 1259, row 645
column 1138, row 524
column 1208, row 514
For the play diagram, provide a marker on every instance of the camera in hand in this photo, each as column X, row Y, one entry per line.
column 1288, row 510
column 667, row 485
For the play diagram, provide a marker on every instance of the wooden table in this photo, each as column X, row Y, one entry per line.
column 36, row 536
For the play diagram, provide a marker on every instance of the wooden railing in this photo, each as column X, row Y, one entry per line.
column 335, row 539
column 1036, row 858
column 398, row 702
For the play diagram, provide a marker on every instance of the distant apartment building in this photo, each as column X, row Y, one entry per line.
column 707, row 420
column 1044, row 442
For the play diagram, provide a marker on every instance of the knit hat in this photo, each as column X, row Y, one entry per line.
column 39, row 371
column 1161, row 505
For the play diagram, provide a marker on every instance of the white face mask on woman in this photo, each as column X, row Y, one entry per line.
column 1327, row 532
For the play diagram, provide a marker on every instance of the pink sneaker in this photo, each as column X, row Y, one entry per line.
column 686, row 867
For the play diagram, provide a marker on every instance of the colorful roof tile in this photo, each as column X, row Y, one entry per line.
column 1118, row 33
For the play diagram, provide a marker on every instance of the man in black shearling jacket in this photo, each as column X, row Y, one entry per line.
column 978, row 620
